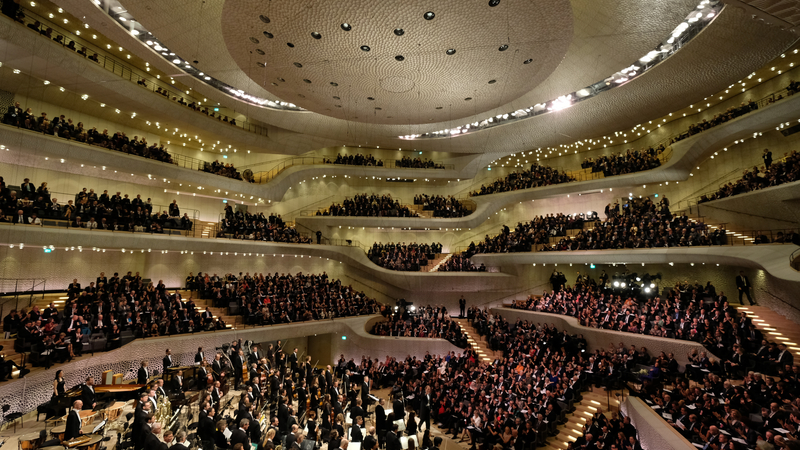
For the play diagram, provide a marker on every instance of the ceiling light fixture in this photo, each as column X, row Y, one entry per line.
column 429, row 15
column 346, row 27
column 400, row 58
column 399, row 31
column 316, row 35
column 365, row 48
column 503, row 47
column 451, row 51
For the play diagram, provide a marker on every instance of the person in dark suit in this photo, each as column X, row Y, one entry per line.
column 199, row 356
column 151, row 441
column 177, row 382
column 87, row 394
column 167, row 361
column 356, row 411
column 380, row 415
column 237, row 360
column 462, row 306
column 240, row 435
column 293, row 361
column 355, row 430
column 392, row 440
column 283, row 417
column 201, row 376
column 425, row 408
column 365, row 392
column 744, row 286
column 74, row 421
column 180, row 441
column 255, row 355
column 143, row 374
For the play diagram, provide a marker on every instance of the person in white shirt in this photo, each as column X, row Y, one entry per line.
column 33, row 220
column 91, row 224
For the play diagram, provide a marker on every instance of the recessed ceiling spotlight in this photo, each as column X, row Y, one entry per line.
column 274, row 84
column 260, row 52
column 262, row 65
column 494, row 3
column 370, row 98
column 365, row 48
column 503, row 47
column 468, row 98
column 307, row 80
column 316, row 35
column 399, row 31
column 269, row 35
column 378, row 108
column 281, row 80
column 346, row 27
column 492, row 81
column 290, row 44
column 429, row 15
column 438, row 107
column 298, row 65
column 254, row 40
column 334, row 84
column 451, row 51
column 264, row 18
column 337, row 98
column 400, row 57
column 338, row 106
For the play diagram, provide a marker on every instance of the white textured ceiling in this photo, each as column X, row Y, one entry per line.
column 607, row 36
column 356, row 74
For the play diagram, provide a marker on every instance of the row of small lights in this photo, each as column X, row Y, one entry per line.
column 562, row 149
column 565, row 101
column 147, row 122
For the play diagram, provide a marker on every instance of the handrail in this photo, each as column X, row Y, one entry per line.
column 794, row 260
column 5, row 290
column 266, row 176
column 102, row 58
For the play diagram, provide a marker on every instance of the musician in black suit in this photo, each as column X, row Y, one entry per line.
column 140, row 416
column 237, row 361
column 254, row 355
column 392, row 440
column 87, row 394
column 201, row 376
column 143, row 374
column 180, row 441
column 167, row 361
column 346, row 381
column 74, row 421
column 283, row 417
column 177, row 382
column 380, row 416
column 151, row 441
column 357, row 411
column 199, row 356
column 293, row 361
column 216, row 366
column 365, row 392
column 425, row 408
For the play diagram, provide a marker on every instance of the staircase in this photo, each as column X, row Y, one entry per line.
column 442, row 258
column 207, row 229
column 572, row 429
column 477, row 342
column 434, row 262
column 769, row 322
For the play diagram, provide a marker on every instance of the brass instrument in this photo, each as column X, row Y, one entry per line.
column 164, row 410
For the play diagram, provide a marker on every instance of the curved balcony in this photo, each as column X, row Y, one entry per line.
column 126, row 360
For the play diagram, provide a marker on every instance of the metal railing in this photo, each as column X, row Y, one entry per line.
column 313, row 212
column 268, row 175
column 13, row 289
column 102, row 58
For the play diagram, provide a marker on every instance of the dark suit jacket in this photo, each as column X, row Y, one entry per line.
column 393, row 442
column 283, row 418
column 240, row 436
column 197, row 357
column 380, row 418
column 179, row 447
column 87, row 396
column 355, row 434
column 73, row 425
column 151, row 441
column 141, row 376
column 166, row 363
column 742, row 281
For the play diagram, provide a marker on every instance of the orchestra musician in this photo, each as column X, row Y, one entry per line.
column 74, row 421
column 177, row 383
column 167, row 361
column 216, row 366
column 201, row 376
column 143, row 374
column 302, row 398
column 254, row 356
column 87, row 394
column 199, row 356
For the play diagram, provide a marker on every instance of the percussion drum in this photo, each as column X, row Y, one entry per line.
column 92, row 444
column 30, row 441
column 59, row 432
column 87, row 417
column 114, row 411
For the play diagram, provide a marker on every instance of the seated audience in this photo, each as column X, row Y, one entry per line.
column 371, row 205
column 441, row 206
column 411, row 257
column 355, row 160
column 257, row 227
column 775, row 174
column 417, row 163
column 536, row 176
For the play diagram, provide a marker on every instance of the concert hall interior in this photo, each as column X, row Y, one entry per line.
column 424, row 225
